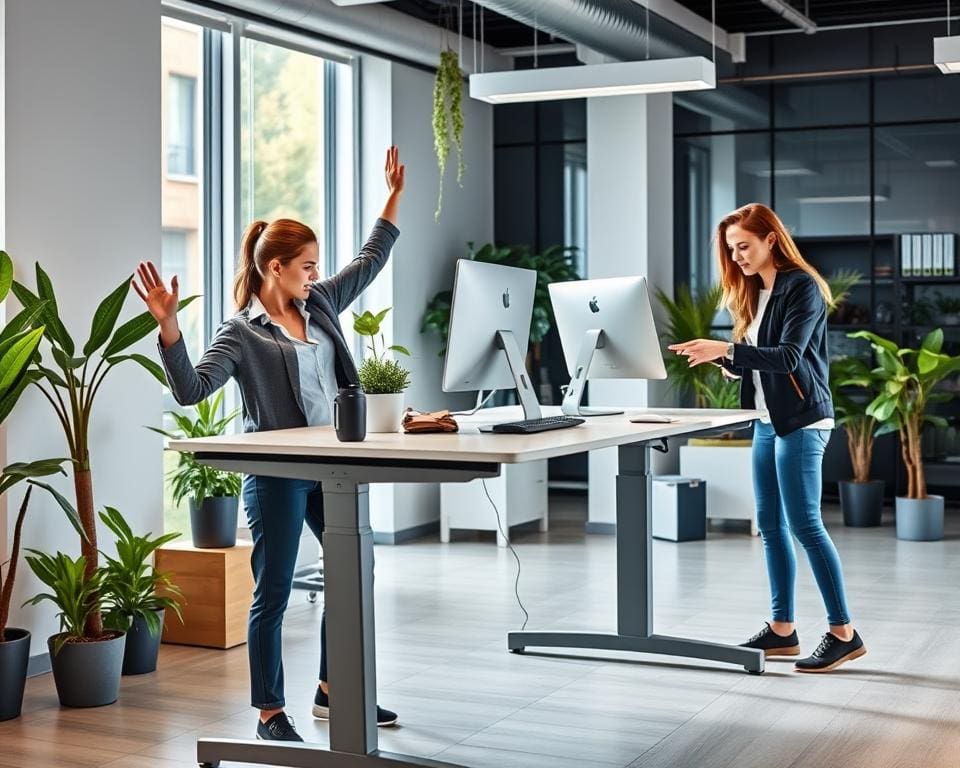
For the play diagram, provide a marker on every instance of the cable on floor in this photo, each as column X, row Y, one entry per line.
column 516, row 582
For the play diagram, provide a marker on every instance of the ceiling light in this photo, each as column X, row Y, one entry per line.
column 946, row 54
column 882, row 195
column 784, row 169
column 694, row 73
column 940, row 163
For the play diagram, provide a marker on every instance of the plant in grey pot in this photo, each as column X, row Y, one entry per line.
column 86, row 670
column 384, row 381
column 213, row 494
column 910, row 379
column 137, row 594
column 854, row 385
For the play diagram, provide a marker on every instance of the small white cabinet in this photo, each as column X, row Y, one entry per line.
column 520, row 493
column 728, row 473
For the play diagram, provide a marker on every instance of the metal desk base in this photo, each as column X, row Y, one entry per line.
column 635, row 585
column 211, row 751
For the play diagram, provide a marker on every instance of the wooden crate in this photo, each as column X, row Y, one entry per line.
column 217, row 586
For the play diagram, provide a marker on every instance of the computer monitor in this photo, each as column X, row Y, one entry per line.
column 490, row 319
column 607, row 332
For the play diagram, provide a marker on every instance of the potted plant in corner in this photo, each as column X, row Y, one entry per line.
column 854, row 386
column 131, row 586
column 213, row 494
column 384, row 381
column 86, row 672
column 910, row 377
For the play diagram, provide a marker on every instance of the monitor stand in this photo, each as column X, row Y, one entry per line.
column 521, row 379
column 592, row 341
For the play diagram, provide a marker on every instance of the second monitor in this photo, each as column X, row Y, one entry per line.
column 607, row 332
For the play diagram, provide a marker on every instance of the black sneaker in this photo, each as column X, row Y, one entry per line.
column 831, row 653
column 773, row 644
column 278, row 728
column 321, row 711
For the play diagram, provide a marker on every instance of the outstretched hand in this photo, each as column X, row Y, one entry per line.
column 161, row 303
column 393, row 171
column 700, row 351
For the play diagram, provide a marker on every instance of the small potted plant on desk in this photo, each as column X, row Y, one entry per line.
column 133, row 600
column 854, row 386
column 384, row 381
column 213, row 494
column 910, row 377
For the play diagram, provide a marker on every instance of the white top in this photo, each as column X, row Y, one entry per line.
column 753, row 332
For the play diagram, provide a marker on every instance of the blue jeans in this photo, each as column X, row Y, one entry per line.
column 276, row 510
column 787, row 475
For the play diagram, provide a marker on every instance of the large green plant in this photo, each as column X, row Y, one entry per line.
column 555, row 265
column 909, row 378
column 448, row 117
column 378, row 374
column 71, row 381
column 18, row 345
column 854, row 385
column 132, row 585
column 75, row 590
column 190, row 478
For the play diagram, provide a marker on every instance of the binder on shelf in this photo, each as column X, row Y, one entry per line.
column 949, row 257
column 917, row 249
column 938, row 254
column 906, row 256
column 927, row 262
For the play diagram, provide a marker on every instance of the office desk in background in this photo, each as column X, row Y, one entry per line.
column 346, row 469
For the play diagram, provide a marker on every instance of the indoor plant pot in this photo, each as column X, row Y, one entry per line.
column 861, row 503
column 87, row 673
column 14, row 656
column 385, row 412
column 213, row 522
column 142, row 646
column 920, row 519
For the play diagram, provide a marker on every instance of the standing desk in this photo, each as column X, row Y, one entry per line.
column 346, row 469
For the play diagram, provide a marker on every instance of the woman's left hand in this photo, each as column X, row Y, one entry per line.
column 700, row 351
column 393, row 171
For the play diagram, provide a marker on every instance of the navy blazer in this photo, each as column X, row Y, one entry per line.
column 790, row 356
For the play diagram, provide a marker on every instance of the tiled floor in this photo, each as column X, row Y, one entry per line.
column 442, row 615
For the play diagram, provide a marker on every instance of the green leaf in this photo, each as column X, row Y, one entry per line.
column 65, row 505
column 25, row 318
column 66, row 362
column 17, row 357
column 137, row 328
column 401, row 350
column 19, row 471
column 937, row 421
column 928, row 361
column 6, row 274
column 933, row 341
column 52, row 312
column 155, row 369
column 105, row 318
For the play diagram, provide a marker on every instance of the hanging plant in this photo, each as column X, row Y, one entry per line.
column 447, row 115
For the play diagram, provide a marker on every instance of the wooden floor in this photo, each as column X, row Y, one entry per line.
column 442, row 615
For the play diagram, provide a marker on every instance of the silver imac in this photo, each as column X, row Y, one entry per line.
column 490, row 319
column 607, row 332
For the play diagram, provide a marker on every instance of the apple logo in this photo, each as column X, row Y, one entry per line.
column 594, row 306
column 506, row 299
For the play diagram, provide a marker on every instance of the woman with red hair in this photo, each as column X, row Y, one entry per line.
column 778, row 302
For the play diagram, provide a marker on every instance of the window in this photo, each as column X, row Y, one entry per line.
column 181, row 122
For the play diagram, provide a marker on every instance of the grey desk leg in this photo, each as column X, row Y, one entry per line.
column 635, row 585
column 348, row 559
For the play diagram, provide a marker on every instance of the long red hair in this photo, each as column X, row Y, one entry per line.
column 741, row 293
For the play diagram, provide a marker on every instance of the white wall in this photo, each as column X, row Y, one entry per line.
column 423, row 260
column 630, row 232
column 82, row 174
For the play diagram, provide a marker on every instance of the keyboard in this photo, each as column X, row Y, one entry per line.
column 529, row 426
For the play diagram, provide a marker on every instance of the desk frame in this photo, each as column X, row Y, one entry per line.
column 348, row 558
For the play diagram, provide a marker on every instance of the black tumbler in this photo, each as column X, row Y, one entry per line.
column 350, row 414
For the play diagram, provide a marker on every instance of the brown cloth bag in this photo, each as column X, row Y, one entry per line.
column 415, row 422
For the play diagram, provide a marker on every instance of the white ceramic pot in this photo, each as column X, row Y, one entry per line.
column 384, row 412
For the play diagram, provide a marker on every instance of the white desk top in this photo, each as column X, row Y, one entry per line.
column 469, row 444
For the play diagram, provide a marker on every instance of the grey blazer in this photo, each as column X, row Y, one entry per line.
column 263, row 360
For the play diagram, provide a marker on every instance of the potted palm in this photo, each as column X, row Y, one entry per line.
column 910, row 377
column 854, row 385
column 213, row 494
column 131, row 586
column 384, row 381
column 87, row 674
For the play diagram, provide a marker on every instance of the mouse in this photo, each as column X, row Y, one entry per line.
column 651, row 418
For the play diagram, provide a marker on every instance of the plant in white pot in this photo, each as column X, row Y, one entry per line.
column 213, row 494
column 910, row 378
column 854, row 385
column 384, row 381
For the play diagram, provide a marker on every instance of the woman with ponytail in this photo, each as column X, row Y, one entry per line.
column 779, row 307
column 287, row 352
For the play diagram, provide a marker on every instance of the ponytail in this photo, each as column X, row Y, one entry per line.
column 248, row 279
